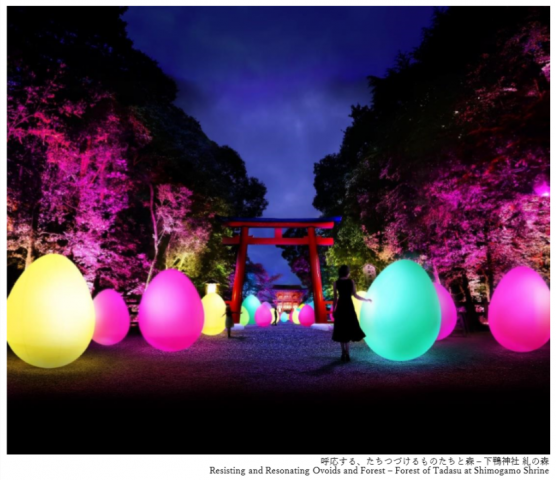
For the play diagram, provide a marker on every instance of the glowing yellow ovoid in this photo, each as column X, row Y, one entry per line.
column 51, row 315
column 215, row 314
column 295, row 316
column 357, row 303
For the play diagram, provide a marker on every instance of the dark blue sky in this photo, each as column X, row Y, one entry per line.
column 276, row 83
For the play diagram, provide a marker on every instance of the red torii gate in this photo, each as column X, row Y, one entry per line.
column 312, row 240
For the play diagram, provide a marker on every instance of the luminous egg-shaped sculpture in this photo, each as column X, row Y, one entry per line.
column 519, row 312
column 111, row 318
column 357, row 303
column 290, row 316
column 403, row 320
column 51, row 315
column 295, row 316
column 272, row 310
column 284, row 317
column 263, row 316
column 171, row 313
column 244, row 316
column 251, row 303
column 215, row 314
column 307, row 316
column 448, row 312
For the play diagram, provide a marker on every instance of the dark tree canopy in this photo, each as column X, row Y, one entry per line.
column 92, row 42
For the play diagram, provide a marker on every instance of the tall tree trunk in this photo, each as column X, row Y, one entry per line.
column 155, row 235
column 474, row 323
column 30, row 256
column 436, row 276
column 30, row 245
column 488, row 291
column 489, row 278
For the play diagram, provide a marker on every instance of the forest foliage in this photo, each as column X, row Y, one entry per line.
column 444, row 163
column 442, row 166
column 102, row 166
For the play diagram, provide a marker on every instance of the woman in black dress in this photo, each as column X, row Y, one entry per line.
column 346, row 325
column 229, row 320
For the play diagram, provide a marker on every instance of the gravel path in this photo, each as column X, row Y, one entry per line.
column 284, row 382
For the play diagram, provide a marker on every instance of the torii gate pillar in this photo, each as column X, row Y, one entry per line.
column 239, row 277
column 320, row 307
column 311, row 240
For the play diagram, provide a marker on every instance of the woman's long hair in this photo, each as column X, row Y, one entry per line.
column 343, row 271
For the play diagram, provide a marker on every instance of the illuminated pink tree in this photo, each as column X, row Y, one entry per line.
column 178, row 238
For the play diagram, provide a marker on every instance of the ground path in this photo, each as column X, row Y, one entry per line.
column 285, row 389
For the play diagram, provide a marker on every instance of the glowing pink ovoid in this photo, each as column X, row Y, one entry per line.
column 171, row 315
column 448, row 312
column 307, row 316
column 111, row 318
column 519, row 312
column 263, row 316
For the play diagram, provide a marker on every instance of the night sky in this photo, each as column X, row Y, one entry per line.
column 276, row 84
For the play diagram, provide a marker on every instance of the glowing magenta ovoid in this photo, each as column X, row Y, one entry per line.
column 519, row 312
column 263, row 316
column 448, row 312
column 307, row 316
column 171, row 313
column 111, row 318
column 543, row 190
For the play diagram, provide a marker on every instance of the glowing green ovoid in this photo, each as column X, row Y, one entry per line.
column 251, row 303
column 403, row 320
column 244, row 317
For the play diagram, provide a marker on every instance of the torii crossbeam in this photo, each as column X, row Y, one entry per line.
column 311, row 240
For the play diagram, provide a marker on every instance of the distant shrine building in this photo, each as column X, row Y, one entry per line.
column 287, row 297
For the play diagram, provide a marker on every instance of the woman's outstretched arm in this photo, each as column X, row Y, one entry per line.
column 354, row 293
column 335, row 298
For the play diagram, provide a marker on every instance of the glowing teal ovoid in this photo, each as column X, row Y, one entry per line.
column 403, row 320
column 251, row 303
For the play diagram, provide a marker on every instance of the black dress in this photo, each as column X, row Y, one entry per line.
column 346, row 325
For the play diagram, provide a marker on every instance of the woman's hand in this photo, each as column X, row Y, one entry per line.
column 368, row 300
